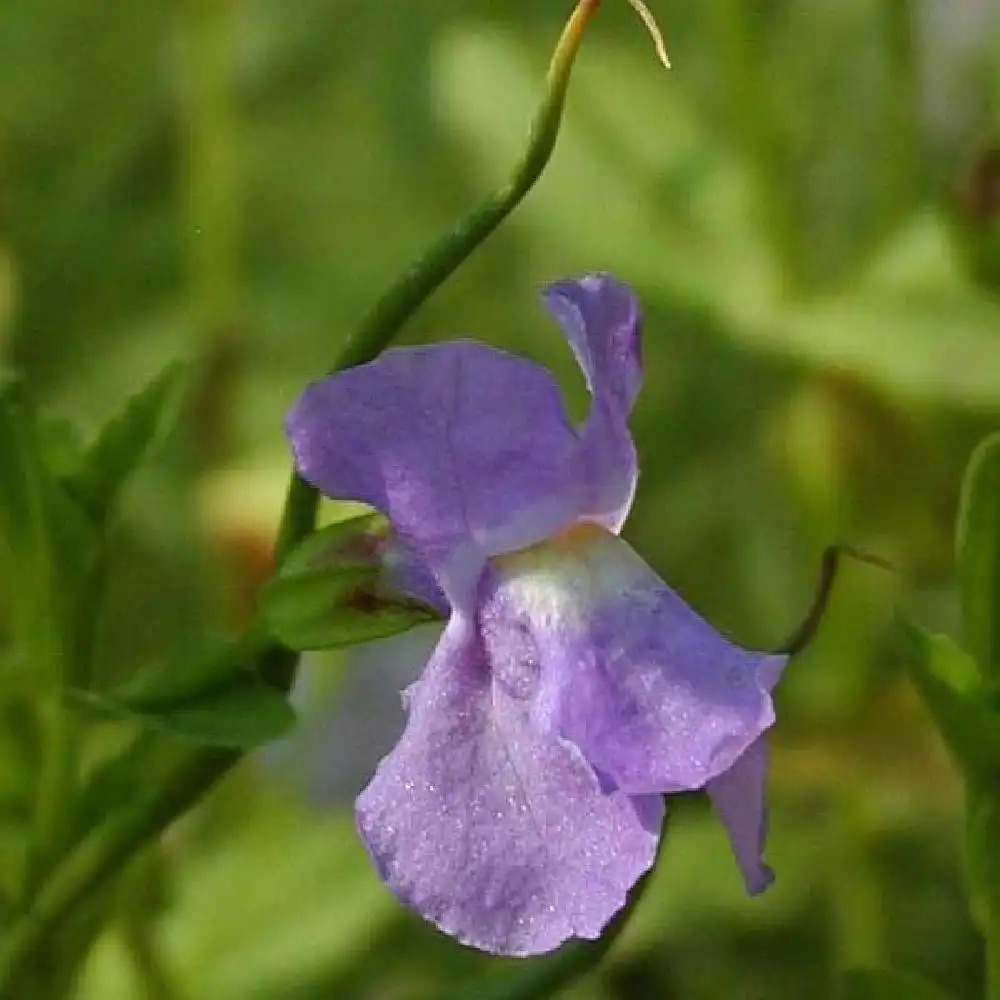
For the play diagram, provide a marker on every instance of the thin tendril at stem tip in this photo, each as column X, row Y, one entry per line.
column 806, row 632
column 646, row 16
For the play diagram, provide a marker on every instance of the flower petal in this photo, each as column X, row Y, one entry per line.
column 502, row 838
column 465, row 448
column 653, row 695
column 404, row 571
column 738, row 798
column 601, row 320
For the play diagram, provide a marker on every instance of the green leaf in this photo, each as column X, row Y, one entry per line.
column 210, row 694
column 330, row 591
column 23, row 527
column 950, row 686
column 124, row 441
column 877, row 984
column 188, row 673
column 978, row 555
column 27, row 547
column 62, row 445
column 49, row 559
column 242, row 714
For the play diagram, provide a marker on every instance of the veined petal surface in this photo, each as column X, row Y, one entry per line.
column 652, row 694
column 502, row 837
column 468, row 450
column 465, row 448
column 601, row 320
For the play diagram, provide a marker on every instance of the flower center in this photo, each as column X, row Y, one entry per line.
column 551, row 589
column 562, row 578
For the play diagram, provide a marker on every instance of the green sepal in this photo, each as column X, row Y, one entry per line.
column 879, row 984
column 977, row 546
column 963, row 709
column 124, row 441
column 330, row 593
column 350, row 542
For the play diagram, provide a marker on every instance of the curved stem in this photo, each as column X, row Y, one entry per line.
column 806, row 631
column 416, row 284
column 190, row 774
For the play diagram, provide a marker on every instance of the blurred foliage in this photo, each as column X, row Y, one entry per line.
column 809, row 205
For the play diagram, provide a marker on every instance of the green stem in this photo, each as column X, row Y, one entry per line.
column 209, row 137
column 47, row 637
column 101, row 855
column 418, row 282
column 139, row 937
column 56, row 782
column 993, row 962
column 210, row 199
column 59, row 776
column 190, row 774
column 415, row 285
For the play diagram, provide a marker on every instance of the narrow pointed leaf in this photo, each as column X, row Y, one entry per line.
column 185, row 674
column 949, row 684
column 63, row 446
column 28, row 579
column 242, row 714
column 209, row 693
column 978, row 555
column 124, row 441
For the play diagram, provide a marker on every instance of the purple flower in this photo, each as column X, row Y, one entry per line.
column 571, row 688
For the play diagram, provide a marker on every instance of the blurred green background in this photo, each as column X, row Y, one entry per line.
column 809, row 206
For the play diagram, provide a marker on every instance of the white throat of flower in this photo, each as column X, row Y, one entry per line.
column 560, row 581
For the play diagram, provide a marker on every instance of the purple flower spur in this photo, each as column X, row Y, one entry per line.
column 571, row 688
